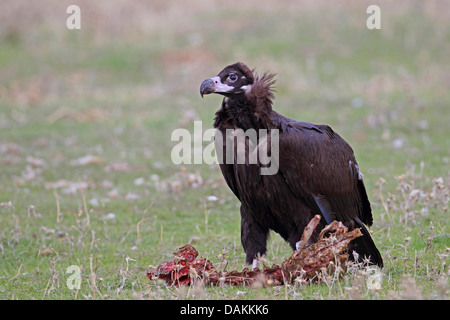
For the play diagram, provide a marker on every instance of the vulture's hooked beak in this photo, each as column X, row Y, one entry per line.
column 214, row 85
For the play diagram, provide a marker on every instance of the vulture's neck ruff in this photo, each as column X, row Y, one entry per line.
column 251, row 107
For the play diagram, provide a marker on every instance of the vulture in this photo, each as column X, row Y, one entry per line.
column 316, row 170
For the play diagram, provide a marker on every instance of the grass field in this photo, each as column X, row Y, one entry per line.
column 86, row 116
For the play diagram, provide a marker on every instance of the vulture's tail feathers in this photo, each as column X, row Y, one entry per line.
column 365, row 247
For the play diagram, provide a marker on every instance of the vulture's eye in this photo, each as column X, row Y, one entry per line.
column 232, row 77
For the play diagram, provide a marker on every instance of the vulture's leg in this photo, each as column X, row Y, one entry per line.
column 255, row 263
column 253, row 238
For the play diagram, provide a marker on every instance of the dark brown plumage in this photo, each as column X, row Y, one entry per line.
column 317, row 170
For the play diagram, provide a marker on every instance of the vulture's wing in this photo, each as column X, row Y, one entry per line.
column 319, row 166
column 229, row 176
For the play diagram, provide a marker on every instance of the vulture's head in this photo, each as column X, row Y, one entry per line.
column 236, row 79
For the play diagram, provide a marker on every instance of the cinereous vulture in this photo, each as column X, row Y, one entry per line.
column 315, row 169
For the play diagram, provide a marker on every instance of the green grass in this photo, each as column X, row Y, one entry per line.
column 116, row 89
